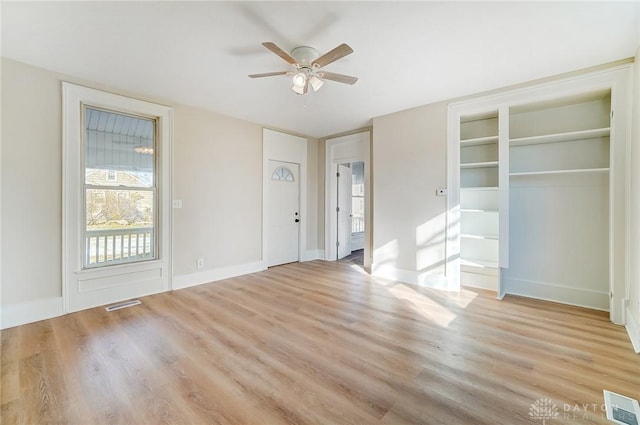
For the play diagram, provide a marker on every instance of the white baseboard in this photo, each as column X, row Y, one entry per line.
column 212, row 275
column 633, row 329
column 29, row 312
column 312, row 254
column 480, row 281
column 558, row 293
column 387, row 271
column 429, row 280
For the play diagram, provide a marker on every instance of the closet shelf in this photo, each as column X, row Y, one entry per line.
column 479, row 141
column 474, row 236
column 487, row 188
column 478, row 263
column 574, row 171
column 480, row 164
column 561, row 137
column 475, row 210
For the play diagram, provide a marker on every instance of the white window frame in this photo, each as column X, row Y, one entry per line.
column 86, row 288
column 153, row 189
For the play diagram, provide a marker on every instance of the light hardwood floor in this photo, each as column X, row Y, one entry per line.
column 316, row 343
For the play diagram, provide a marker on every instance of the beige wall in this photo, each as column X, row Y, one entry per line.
column 409, row 163
column 217, row 173
column 31, row 184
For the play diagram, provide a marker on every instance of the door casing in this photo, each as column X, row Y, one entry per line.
column 355, row 147
column 284, row 147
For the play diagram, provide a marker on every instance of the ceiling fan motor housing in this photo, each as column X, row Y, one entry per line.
column 305, row 55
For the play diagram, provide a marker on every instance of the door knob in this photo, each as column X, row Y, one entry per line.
column 297, row 220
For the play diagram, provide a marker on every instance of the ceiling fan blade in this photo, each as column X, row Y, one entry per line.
column 278, row 51
column 341, row 78
column 333, row 55
column 268, row 74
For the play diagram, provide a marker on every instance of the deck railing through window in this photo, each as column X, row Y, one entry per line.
column 116, row 246
column 357, row 224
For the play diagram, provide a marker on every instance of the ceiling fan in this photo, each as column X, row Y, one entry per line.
column 308, row 63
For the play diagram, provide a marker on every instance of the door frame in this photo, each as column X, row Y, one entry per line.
column 354, row 147
column 346, row 165
column 278, row 146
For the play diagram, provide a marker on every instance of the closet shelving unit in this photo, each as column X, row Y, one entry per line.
column 559, row 163
column 538, row 193
column 479, row 231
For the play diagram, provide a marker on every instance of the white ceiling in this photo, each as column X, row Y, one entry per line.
column 405, row 54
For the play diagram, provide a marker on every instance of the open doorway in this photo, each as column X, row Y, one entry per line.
column 350, row 212
column 351, row 239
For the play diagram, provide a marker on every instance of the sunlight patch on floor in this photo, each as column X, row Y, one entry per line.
column 423, row 305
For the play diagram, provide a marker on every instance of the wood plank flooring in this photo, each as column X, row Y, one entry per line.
column 316, row 343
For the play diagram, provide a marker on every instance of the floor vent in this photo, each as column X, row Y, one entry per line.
column 124, row 304
column 621, row 410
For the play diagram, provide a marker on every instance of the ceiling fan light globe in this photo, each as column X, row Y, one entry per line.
column 299, row 79
column 299, row 90
column 316, row 83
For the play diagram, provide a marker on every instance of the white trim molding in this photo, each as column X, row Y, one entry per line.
column 633, row 329
column 312, row 254
column 387, row 271
column 213, row 275
column 559, row 293
column 31, row 311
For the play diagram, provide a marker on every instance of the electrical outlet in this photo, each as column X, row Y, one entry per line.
column 200, row 263
column 177, row 203
column 441, row 192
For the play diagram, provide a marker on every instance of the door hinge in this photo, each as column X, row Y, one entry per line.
column 337, row 243
column 612, row 114
column 337, row 209
column 338, row 174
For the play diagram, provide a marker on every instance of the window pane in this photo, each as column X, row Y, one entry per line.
column 119, row 226
column 357, row 197
column 119, row 150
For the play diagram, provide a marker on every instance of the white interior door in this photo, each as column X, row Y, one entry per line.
column 344, row 211
column 283, row 214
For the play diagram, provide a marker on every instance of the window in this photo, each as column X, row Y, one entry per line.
column 119, row 188
column 116, row 234
column 357, row 197
column 282, row 174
